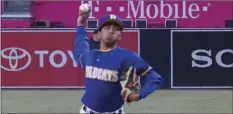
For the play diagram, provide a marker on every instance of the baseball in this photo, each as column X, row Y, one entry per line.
column 84, row 7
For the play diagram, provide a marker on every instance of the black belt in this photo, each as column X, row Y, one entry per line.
column 91, row 112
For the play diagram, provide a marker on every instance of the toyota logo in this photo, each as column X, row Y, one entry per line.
column 14, row 55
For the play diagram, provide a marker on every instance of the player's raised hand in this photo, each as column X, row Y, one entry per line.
column 84, row 13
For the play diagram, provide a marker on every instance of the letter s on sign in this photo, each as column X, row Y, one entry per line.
column 198, row 56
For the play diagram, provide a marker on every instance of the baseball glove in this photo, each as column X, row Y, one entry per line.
column 130, row 83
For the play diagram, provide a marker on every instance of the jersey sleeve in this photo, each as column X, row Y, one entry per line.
column 136, row 61
column 81, row 46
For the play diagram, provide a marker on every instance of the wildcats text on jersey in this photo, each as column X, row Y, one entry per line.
column 101, row 74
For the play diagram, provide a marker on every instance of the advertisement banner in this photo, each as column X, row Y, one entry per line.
column 44, row 59
column 188, row 13
column 155, row 49
column 201, row 59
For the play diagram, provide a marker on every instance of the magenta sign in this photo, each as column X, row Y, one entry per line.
column 189, row 14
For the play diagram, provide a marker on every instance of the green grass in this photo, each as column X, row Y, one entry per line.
column 163, row 101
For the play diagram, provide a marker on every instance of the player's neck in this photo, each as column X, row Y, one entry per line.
column 105, row 48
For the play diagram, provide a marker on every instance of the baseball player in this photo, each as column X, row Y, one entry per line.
column 94, row 42
column 105, row 90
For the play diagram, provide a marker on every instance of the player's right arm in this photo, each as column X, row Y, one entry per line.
column 81, row 45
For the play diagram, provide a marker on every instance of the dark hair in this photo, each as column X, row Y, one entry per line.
column 96, row 31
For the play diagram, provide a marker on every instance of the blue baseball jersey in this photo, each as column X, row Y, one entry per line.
column 103, row 69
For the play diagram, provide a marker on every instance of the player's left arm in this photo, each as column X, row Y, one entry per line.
column 150, row 80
